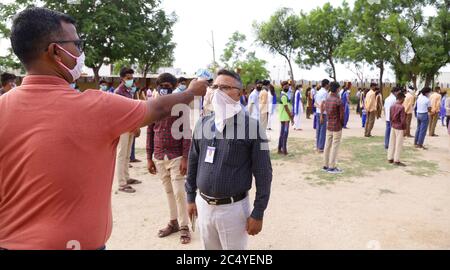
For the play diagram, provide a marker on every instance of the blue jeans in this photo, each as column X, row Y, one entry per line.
column 315, row 121
column 387, row 134
column 321, row 131
column 421, row 131
column 284, row 133
column 364, row 119
column 346, row 115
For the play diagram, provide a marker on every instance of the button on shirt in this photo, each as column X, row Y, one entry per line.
column 235, row 161
column 390, row 100
column 321, row 96
column 423, row 103
column 57, row 163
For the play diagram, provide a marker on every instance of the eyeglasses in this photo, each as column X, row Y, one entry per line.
column 223, row 87
column 78, row 43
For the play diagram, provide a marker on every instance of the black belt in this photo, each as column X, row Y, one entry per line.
column 214, row 201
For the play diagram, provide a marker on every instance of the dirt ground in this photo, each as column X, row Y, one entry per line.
column 383, row 209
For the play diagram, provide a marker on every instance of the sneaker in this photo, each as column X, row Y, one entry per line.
column 334, row 170
column 391, row 161
column 325, row 169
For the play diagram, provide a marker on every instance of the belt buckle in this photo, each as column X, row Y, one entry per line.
column 213, row 202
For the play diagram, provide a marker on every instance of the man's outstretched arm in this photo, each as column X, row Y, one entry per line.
column 161, row 107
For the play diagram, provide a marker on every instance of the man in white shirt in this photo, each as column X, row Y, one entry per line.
column 388, row 102
column 253, row 101
column 423, row 108
column 321, row 116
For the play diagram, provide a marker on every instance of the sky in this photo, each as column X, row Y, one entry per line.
column 198, row 18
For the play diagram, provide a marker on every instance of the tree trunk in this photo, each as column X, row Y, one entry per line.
column 414, row 81
column 381, row 67
column 333, row 68
column 292, row 72
column 428, row 80
column 146, row 67
column 96, row 70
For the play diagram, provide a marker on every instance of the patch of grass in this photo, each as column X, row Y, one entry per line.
column 358, row 157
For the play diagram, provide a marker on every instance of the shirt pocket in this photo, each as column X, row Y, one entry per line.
column 237, row 152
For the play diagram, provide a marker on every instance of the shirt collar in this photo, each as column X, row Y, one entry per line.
column 44, row 79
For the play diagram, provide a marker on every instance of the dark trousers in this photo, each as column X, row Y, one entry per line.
column 132, row 155
column 408, row 124
column 370, row 122
column 284, row 133
column 421, row 131
column 387, row 134
column 433, row 119
column 315, row 121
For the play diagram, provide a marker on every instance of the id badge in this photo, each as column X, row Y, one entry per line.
column 210, row 154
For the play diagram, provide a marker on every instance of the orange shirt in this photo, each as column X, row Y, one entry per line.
column 57, row 155
column 371, row 101
column 408, row 103
column 435, row 100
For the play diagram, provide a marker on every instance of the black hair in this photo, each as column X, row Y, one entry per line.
column 6, row 78
column 396, row 89
column 325, row 82
column 373, row 84
column 400, row 96
column 425, row 90
column 232, row 74
column 334, row 86
column 283, row 83
column 125, row 71
column 266, row 82
column 34, row 29
column 102, row 81
column 182, row 79
column 166, row 78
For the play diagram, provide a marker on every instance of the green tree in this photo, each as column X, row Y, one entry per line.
column 368, row 42
column 159, row 47
column 113, row 30
column 251, row 69
column 233, row 50
column 281, row 34
column 324, row 31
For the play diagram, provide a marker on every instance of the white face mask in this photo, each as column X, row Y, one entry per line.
column 77, row 69
column 224, row 108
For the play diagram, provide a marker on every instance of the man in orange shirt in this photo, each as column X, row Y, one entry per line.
column 371, row 108
column 57, row 146
column 410, row 99
column 435, row 100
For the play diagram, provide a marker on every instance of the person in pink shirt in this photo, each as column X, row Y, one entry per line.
column 58, row 146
